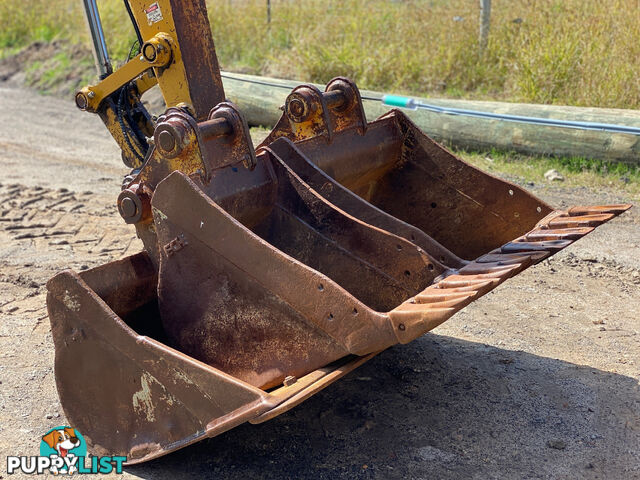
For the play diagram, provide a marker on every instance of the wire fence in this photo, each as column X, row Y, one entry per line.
column 484, row 21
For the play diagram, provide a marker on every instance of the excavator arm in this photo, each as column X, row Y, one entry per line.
column 176, row 52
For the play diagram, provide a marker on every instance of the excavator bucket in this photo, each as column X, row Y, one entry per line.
column 268, row 274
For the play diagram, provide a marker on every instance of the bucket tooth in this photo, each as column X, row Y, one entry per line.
column 439, row 295
column 546, row 246
column 479, row 289
column 454, row 301
column 569, row 233
column 603, row 209
column 504, row 258
column 489, row 270
column 475, row 281
column 591, row 220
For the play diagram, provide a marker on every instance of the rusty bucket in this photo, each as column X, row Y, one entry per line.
column 270, row 274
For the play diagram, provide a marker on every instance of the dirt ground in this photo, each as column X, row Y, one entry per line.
column 538, row 379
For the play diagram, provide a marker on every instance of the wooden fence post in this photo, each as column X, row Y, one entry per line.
column 485, row 21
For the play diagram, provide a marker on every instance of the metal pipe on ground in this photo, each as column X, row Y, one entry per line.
column 259, row 98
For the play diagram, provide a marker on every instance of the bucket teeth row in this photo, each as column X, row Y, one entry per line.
column 443, row 298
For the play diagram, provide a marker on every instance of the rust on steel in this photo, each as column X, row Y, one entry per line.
column 267, row 275
column 202, row 71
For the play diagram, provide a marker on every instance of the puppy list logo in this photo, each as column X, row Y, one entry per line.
column 63, row 450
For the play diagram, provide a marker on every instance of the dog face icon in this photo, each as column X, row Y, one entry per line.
column 66, row 449
column 62, row 440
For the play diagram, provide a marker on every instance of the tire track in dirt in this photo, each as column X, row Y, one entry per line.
column 43, row 231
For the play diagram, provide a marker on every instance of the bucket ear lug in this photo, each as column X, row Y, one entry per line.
column 239, row 138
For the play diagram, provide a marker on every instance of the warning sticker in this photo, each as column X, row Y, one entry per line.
column 154, row 14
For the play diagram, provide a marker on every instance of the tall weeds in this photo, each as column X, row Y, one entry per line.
column 576, row 52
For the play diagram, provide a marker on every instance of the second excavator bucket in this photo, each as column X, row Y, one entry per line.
column 267, row 276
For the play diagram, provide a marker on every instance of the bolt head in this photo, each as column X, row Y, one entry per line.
column 128, row 207
column 81, row 101
column 132, row 206
column 296, row 107
column 149, row 52
column 166, row 141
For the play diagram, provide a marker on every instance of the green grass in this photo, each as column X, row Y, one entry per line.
column 578, row 172
column 573, row 52
column 30, row 21
column 61, row 73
